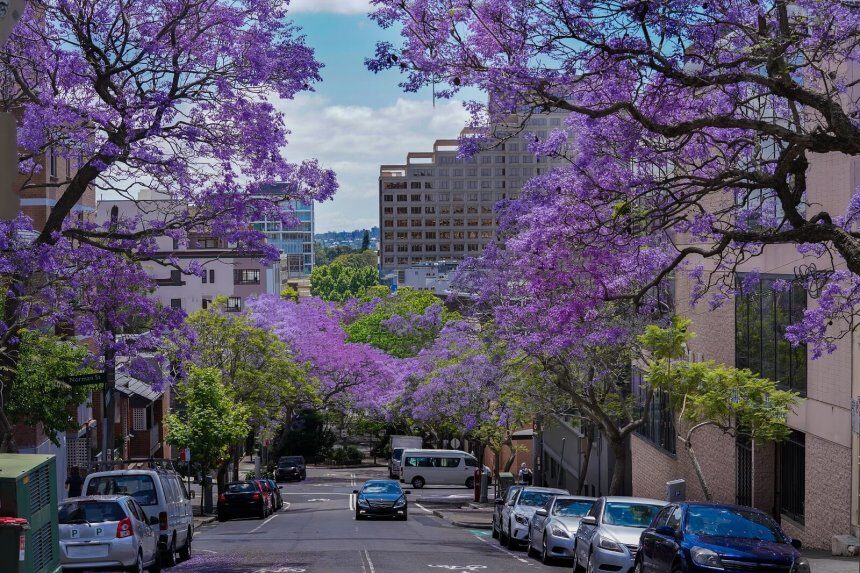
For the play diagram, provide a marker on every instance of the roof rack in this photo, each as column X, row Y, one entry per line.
column 157, row 464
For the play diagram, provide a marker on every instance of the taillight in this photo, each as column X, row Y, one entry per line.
column 255, row 497
column 123, row 528
column 162, row 521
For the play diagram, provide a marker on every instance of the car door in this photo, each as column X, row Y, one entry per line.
column 585, row 533
column 185, row 512
column 538, row 522
column 510, row 503
column 143, row 530
column 170, row 504
column 649, row 539
column 666, row 545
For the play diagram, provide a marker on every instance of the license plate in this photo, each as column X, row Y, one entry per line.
column 97, row 550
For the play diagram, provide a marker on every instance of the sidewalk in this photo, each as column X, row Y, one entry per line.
column 824, row 562
column 471, row 518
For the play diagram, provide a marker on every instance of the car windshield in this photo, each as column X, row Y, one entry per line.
column 630, row 514
column 289, row 462
column 534, row 498
column 381, row 488
column 241, row 488
column 140, row 487
column 571, row 507
column 90, row 512
column 731, row 522
column 397, row 454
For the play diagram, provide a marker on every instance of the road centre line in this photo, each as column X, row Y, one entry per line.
column 369, row 562
column 264, row 523
column 503, row 550
column 352, row 502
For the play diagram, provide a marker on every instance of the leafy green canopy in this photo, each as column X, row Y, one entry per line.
column 338, row 283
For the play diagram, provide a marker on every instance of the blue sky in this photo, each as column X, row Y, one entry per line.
column 356, row 120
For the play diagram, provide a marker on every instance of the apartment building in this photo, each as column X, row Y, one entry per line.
column 295, row 239
column 228, row 272
column 438, row 206
column 809, row 482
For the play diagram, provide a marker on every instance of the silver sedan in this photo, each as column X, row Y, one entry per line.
column 106, row 532
column 552, row 531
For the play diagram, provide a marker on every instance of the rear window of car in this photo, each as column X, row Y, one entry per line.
column 534, row 498
column 140, row 487
column 242, row 488
column 90, row 512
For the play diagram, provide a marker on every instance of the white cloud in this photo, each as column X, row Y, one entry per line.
column 356, row 140
column 332, row 6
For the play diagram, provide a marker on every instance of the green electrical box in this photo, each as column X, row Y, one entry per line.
column 28, row 489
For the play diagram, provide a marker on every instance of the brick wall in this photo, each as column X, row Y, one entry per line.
column 828, row 494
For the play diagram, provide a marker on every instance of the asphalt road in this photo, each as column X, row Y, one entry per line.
column 317, row 533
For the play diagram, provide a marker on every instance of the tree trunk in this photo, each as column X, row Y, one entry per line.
column 583, row 471
column 688, row 444
column 619, row 469
column 7, row 435
column 513, row 455
column 235, row 454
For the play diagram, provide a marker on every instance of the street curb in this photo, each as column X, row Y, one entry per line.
column 198, row 521
column 466, row 524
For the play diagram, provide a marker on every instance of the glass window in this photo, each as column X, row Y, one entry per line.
column 732, row 522
column 243, row 487
column 674, row 520
column 382, row 487
column 90, row 512
column 571, row 507
column 246, row 276
column 629, row 514
column 448, row 462
column 140, row 487
column 534, row 498
column 234, row 304
column 659, row 429
column 792, row 476
column 471, row 462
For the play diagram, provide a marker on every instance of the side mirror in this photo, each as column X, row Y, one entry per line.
column 796, row 543
column 665, row 530
column 191, row 494
column 499, row 501
column 588, row 520
column 542, row 512
column 153, row 520
column 355, row 491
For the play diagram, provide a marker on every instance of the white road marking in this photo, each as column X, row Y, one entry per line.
column 422, row 508
column 206, row 550
column 308, row 493
column 320, row 499
column 352, row 502
column 503, row 550
column 264, row 523
column 459, row 567
column 369, row 562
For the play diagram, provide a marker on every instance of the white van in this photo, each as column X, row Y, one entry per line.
column 438, row 467
column 163, row 497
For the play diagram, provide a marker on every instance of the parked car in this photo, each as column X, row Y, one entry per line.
column 268, row 494
column 500, row 504
column 608, row 535
column 381, row 497
column 517, row 513
column 291, row 468
column 162, row 495
column 552, row 530
column 703, row 537
column 242, row 499
column 107, row 531
column 438, row 467
column 278, row 498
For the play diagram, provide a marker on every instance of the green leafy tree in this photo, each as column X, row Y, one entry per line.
column 365, row 240
column 210, row 419
column 39, row 395
column 339, row 283
column 359, row 260
column 707, row 394
column 401, row 323
column 289, row 293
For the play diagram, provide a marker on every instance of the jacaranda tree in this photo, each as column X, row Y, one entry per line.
column 691, row 131
column 173, row 96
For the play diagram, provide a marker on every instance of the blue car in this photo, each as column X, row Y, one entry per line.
column 708, row 537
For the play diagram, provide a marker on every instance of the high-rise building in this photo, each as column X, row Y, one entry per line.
column 438, row 206
column 294, row 240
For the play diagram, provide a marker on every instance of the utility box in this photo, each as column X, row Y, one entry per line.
column 506, row 480
column 676, row 490
column 28, row 489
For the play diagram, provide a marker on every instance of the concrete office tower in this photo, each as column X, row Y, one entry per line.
column 438, row 206
column 295, row 241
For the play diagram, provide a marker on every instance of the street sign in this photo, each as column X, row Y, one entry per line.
column 86, row 379
column 455, row 443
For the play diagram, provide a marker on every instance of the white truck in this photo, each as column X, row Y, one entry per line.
column 398, row 444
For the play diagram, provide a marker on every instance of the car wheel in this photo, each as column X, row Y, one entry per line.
column 262, row 513
column 637, row 566
column 470, row 483
column 511, row 540
column 168, row 558
column 577, row 568
column 530, row 550
column 545, row 557
column 495, row 531
column 503, row 539
column 676, row 568
column 418, row 482
column 589, row 568
column 138, row 564
column 156, row 565
column 185, row 552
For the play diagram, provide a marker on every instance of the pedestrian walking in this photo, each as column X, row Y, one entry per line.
column 525, row 475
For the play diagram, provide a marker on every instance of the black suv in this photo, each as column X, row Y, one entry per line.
column 291, row 468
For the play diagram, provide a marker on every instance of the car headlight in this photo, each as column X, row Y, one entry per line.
column 609, row 544
column 706, row 557
column 801, row 565
column 400, row 502
column 559, row 531
column 362, row 502
column 521, row 519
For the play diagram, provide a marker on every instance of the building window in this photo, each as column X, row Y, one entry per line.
column 792, row 476
column 246, row 276
column 415, row 197
column 52, row 162
column 234, row 304
column 206, row 303
column 761, row 317
column 174, row 280
column 207, row 243
column 401, row 197
column 205, row 275
column 388, row 198
column 660, row 427
column 176, row 303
